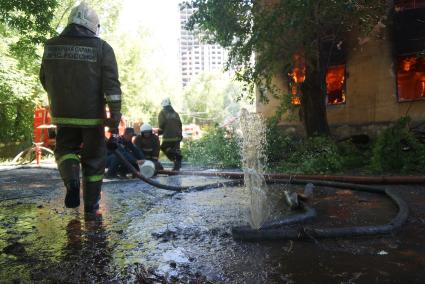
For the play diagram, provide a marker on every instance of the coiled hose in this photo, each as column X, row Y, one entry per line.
column 305, row 232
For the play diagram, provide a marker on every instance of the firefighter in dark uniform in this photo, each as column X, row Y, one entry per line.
column 79, row 72
column 170, row 126
column 149, row 144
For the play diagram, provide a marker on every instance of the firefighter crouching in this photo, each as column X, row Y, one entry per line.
column 79, row 72
column 170, row 126
column 149, row 144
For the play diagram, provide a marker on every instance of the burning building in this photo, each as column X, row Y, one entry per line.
column 370, row 82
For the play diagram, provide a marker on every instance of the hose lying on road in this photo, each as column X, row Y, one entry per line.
column 305, row 232
column 274, row 231
column 307, row 214
column 172, row 187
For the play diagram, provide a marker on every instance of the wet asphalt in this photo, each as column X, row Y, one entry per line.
column 147, row 235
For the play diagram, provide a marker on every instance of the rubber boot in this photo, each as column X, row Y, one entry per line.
column 70, row 174
column 72, row 197
column 91, row 196
column 177, row 164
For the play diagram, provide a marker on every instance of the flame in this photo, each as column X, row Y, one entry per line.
column 411, row 77
column 297, row 77
column 335, row 84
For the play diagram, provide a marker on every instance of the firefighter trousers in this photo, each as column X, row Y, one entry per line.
column 85, row 146
column 171, row 149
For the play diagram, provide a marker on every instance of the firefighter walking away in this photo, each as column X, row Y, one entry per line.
column 79, row 73
column 170, row 126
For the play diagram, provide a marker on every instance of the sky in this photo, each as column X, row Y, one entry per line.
column 161, row 18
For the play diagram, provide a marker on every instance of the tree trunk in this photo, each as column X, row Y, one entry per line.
column 313, row 104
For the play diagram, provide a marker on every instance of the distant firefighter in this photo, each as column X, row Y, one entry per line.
column 170, row 126
column 79, row 72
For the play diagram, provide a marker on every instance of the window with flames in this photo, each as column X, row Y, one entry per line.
column 409, row 35
column 410, row 77
column 335, row 84
column 335, row 76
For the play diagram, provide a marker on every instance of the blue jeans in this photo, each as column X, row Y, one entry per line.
column 115, row 165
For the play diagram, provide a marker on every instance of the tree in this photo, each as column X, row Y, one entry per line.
column 274, row 31
column 29, row 21
column 24, row 26
column 211, row 98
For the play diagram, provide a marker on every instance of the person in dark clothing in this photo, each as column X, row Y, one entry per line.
column 79, row 72
column 129, row 151
column 148, row 143
column 170, row 126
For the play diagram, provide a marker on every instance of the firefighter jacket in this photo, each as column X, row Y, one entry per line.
column 148, row 145
column 170, row 124
column 79, row 72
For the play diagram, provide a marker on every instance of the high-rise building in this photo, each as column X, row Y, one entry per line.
column 197, row 56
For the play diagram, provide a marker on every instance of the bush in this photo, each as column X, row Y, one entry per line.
column 216, row 148
column 279, row 146
column 313, row 155
column 397, row 150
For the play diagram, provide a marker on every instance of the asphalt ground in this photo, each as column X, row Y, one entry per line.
column 147, row 235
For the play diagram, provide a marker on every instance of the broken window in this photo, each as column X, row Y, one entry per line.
column 333, row 57
column 401, row 5
column 409, row 35
column 335, row 84
column 410, row 78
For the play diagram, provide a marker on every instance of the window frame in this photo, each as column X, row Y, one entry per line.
column 344, row 88
column 396, row 58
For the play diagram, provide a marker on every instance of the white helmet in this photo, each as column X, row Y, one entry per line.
column 166, row 102
column 84, row 16
column 146, row 127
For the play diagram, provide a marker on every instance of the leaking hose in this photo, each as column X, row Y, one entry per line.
column 136, row 173
column 305, row 232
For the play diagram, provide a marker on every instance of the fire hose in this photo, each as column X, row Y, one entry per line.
column 270, row 232
column 276, row 231
column 136, row 173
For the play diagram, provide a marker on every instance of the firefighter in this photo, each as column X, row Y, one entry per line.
column 126, row 147
column 79, row 72
column 149, row 144
column 170, row 126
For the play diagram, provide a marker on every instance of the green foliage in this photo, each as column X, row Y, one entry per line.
column 313, row 155
column 217, row 147
column 29, row 22
column 211, row 98
column 397, row 150
column 16, row 99
column 355, row 157
column 144, row 81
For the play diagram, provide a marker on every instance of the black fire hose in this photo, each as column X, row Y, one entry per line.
column 135, row 172
column 274, row 230
column 271, row 233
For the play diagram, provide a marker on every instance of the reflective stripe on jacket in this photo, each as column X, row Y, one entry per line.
column 79, row 72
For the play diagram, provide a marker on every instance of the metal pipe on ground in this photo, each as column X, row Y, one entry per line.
column 342, row 178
